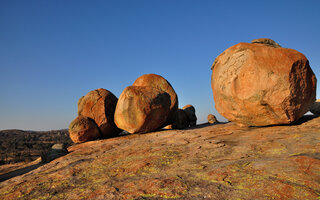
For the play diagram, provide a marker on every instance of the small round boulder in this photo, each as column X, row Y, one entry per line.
column 83, row 129
column 191, row 113
column 212, row 119
column 315, row 107
column 182, row 121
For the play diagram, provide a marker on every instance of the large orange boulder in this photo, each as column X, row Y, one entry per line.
column 142, row 109
column 157, row 81
column 83, row 129
column 100, row 105
column 261, row 84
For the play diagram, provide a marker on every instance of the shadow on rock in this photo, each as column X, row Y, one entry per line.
column 302, row 120
column 19, row 172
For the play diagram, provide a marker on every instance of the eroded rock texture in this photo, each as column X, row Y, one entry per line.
column 100, row 105
column 142, row 109
column 257, row 84
column 215, row 162
column 157, row 81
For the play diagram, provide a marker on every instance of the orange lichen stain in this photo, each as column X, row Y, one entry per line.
column 306, row 165
column 283, row 191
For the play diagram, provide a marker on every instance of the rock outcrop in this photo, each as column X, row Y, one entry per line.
column 83, row 129
column 142, row 109
column 212, row 119
column 257, row 84
column 157, row 81
column 100, row 105
column 223, row 161
column 191, row 113
column 315, row 107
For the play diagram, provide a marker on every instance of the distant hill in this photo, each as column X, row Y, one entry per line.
column 19, row 145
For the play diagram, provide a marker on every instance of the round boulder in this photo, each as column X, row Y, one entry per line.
column 262, row 84
column 191, row 113
column 212, row 119
column 83, row 129
column 315, row 107
column 100, row 105
column 142, row 109
column 157, row 81
column 182, row 121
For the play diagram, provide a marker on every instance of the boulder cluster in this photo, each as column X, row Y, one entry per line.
column 260, row 83
column 149, row 104
column 254, row 84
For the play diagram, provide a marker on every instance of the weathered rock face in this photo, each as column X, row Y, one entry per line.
column 257, row 84
column 157, row 81
column 142, row 109
column 83, row 129
column 182, row 121
column 212, row 119
column 315, row 107
column 100, row 105
column 191, row 113
column 217, row 162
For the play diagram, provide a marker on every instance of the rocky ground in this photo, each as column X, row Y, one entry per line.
column 220, row 161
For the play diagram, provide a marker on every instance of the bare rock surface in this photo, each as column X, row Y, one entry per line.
column 142, row 109
column 157, row 81
column 258, row 85
column 83, row 129
column 222, row 161
column 100, row 105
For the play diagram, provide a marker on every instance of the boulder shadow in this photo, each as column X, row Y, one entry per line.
column 205, row 125
column 302, row 120
column 19, row 172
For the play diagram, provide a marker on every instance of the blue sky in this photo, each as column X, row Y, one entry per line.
column 54, row 52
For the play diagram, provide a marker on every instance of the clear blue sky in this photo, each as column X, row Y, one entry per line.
column 54, row 52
